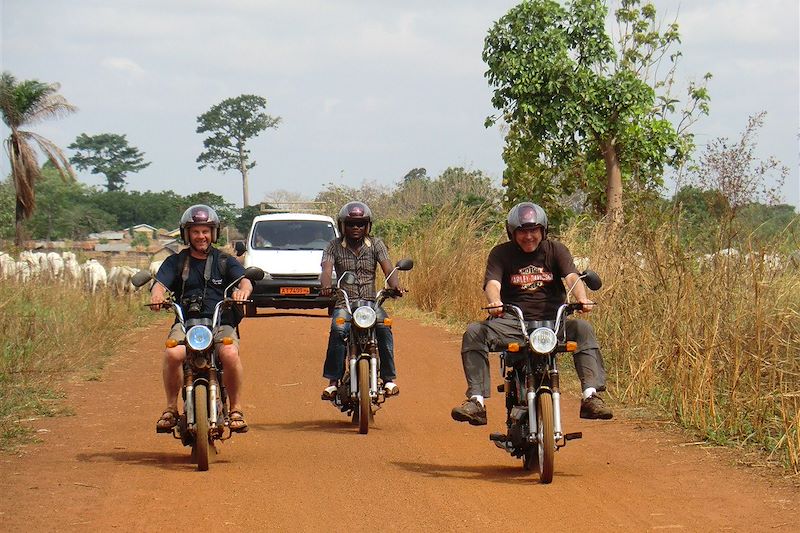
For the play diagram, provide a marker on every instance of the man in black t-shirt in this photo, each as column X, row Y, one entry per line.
column 527, row 272
column 204, row 284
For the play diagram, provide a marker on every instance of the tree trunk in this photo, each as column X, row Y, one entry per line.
column 18, row 218
column 613, row 183
column 245, row 195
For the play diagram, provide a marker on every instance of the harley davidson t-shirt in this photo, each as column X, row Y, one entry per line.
column 531, row 281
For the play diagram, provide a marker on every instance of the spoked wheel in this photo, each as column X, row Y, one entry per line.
column 363, row 396
column 545, row 436
column 201, row 447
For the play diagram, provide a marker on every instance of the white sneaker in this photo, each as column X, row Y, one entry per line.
column 391, row 388
column 329, row 393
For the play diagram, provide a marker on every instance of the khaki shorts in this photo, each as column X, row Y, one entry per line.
column 223, row 331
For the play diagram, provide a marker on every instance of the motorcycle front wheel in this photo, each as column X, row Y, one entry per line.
column 545, row 436
column 201, row 447
column 363, row 396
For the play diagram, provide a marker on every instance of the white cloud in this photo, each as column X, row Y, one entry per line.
column 124, row 65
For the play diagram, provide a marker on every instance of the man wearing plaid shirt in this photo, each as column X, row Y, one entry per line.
column 358, row 252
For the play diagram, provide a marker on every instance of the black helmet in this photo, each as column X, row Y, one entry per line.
column 354, row 211
column 199, row 214
column 526, row 215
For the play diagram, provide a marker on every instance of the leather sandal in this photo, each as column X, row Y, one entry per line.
column 236, row 422
column 168, row 420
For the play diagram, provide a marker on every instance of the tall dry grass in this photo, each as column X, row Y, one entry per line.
column 50, row 333
column 715, row 346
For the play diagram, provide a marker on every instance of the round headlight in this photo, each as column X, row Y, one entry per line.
column 364, row 317
column 543, row 340
column 199, row 338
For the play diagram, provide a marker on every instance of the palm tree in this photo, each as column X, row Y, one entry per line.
column 22, row 104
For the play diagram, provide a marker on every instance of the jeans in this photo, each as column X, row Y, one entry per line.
column 337, row 349
column 495, row 334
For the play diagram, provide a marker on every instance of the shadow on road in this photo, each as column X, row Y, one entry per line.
column 514, row 475
column 277, row 313
column 180, row 460
column 324, row 426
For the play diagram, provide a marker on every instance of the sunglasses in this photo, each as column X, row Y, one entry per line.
column 355, row 224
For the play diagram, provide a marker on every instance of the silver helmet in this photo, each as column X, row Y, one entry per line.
column 199, row 214
column 526, row 215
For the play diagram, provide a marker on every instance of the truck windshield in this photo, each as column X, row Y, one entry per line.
column 292, row 235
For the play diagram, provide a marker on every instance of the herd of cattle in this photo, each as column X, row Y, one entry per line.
column 91, row 275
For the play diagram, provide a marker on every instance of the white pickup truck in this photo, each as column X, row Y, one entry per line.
column 288, row 247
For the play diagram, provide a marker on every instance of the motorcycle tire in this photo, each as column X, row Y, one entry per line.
column 201, row 449
column 363, row 396
column 545, row 436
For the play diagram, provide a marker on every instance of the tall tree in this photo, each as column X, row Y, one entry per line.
column 231, row 123
column 22, row 104
column 571, row 99
column 107, row 154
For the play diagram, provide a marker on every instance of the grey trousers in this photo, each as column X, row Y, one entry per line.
column 493, row 335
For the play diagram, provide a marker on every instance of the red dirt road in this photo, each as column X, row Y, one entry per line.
column 304, row 467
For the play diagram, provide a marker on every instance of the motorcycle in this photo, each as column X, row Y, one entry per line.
column 531, row 386
column 205, row 403
column 358, row 392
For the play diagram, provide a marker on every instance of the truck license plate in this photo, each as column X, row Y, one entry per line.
column 295, row 290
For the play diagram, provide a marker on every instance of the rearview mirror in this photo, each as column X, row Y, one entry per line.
column 405, row 264
column 140, row 278
column 254, row 273
column 240, row 248
column 592, row 280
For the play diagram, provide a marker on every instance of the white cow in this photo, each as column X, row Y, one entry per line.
column 94, row 275
column 119, row 279
column 72, row 270
column 154, row 266
column 35, row 261
column 23, row 271
column 55, row 265
column 8, row 266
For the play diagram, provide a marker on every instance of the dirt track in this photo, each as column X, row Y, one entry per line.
column 303, row 466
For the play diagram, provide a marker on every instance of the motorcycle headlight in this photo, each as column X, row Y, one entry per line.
column 543, row 340
column 199, row 338
column 364, row 317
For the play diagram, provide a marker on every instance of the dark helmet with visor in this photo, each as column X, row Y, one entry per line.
column 199, row 214
column 526, row 215
column 354, row 211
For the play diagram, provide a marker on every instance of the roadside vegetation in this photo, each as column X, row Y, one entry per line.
column 51, row 333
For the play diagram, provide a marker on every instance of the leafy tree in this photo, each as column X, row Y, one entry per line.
column 107, row 154
column 570, row 99
column 140, row 239
column 245, row 218
column 21, row 104
column 7, row 202
column 231, row 124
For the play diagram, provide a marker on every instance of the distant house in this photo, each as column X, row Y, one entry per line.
column 147, row 229
column 107, row 236
column 170, row 248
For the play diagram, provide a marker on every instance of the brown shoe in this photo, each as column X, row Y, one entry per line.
column 594, row 407
column 470, row 411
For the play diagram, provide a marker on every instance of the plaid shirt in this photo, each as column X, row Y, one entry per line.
column 363, row 265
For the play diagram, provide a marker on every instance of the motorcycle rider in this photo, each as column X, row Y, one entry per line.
column 358, row 252
column 197, row 278
column 527, row 271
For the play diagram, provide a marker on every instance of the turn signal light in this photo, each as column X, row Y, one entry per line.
column 171, row 343
column 340, row 321
column 572, row 346
column 387, row 321
column 513, row 346
column 227, row 341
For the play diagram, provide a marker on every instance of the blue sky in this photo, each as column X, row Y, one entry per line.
column 366, row 90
